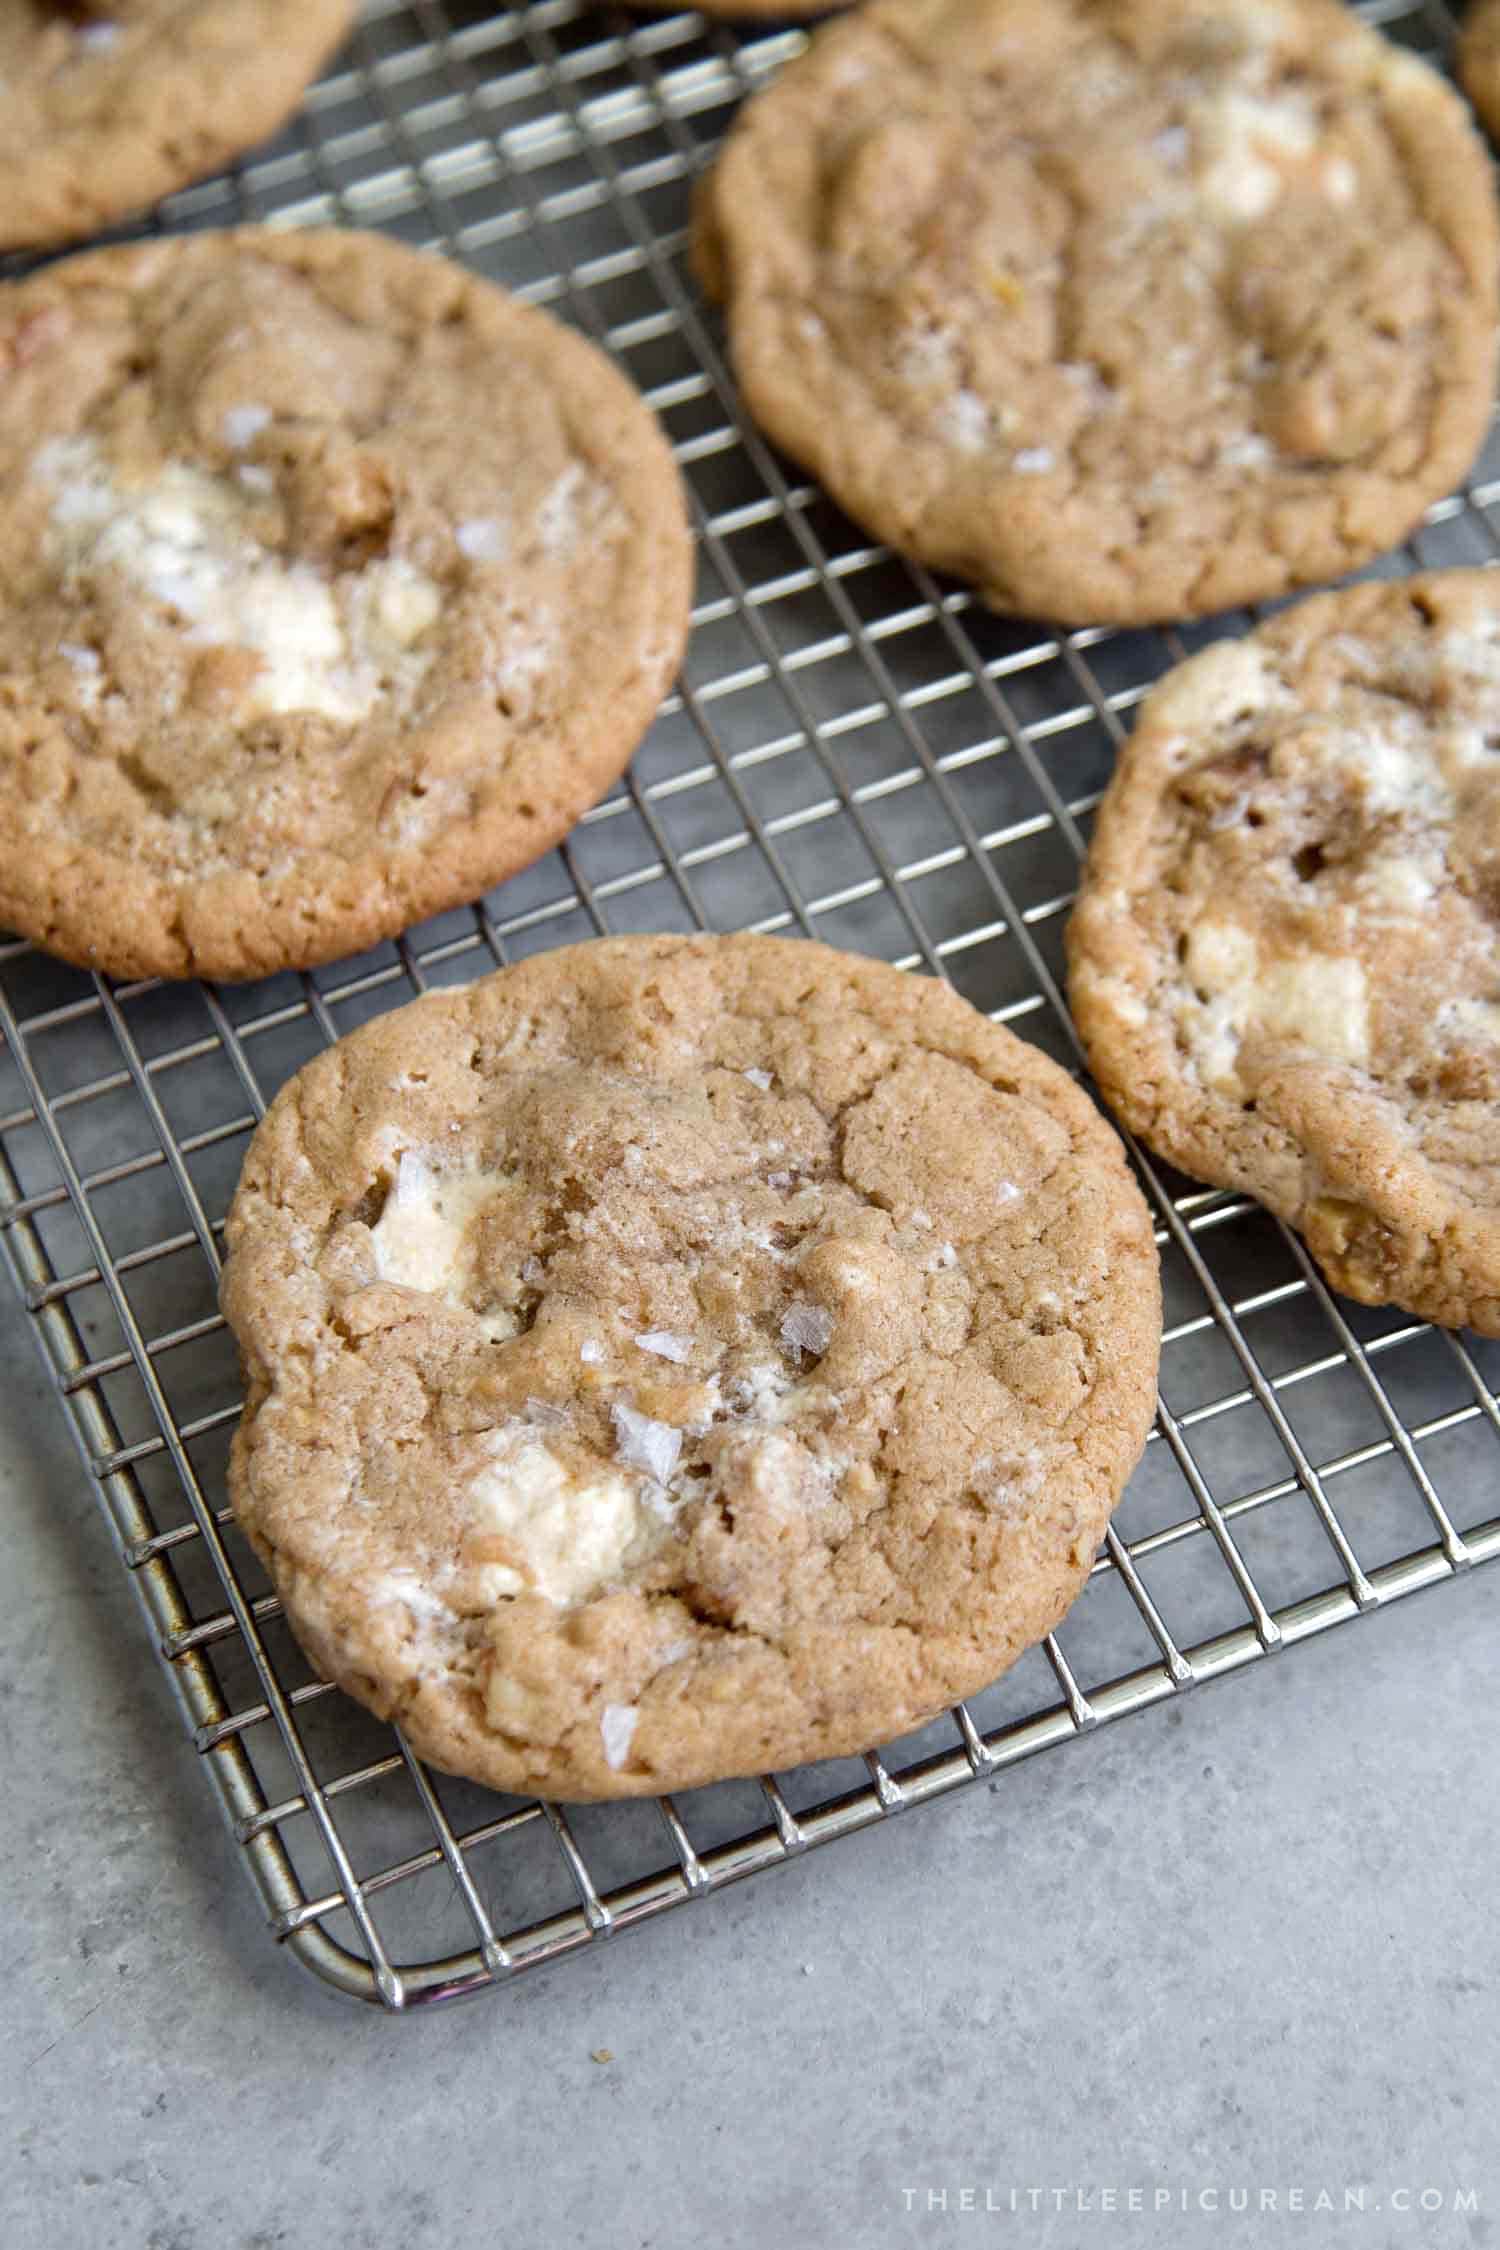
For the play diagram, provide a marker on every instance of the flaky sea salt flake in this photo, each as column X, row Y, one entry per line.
column 807, row 1328
column 541, row 1414
column 1249, row 452
column 665, row 1345
column 617, row 1728
column 964, row 421
column 482, row 539
column 242, row 425
column 641, row 1443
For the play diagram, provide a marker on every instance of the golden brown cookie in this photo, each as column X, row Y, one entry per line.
column 337, row 584
column 1479, row 59
column 1285, row 962
column 105, row 105
column 679, row 1357
column 1123, row 309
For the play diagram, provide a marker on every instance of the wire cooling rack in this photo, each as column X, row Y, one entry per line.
column 856, row 752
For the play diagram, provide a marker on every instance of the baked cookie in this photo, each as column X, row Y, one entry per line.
column 680, row 1357
column 105, row 105
column 1123, row 309
column 1479, row 59
column 1285, row 962
column 337, row 584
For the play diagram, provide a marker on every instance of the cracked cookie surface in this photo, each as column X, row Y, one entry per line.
column 107, row 105
column 1285, row 961
column 338, row 584
column 671, row 1358
column 1124, row 309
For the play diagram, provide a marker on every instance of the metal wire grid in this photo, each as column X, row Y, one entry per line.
column 856, row 751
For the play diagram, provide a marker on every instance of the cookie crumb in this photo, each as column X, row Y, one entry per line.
column 601, row 2054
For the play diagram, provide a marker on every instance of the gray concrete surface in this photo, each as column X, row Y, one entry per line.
column 1245, row 1943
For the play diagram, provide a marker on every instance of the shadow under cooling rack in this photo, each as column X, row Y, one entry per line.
column 855, row 752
